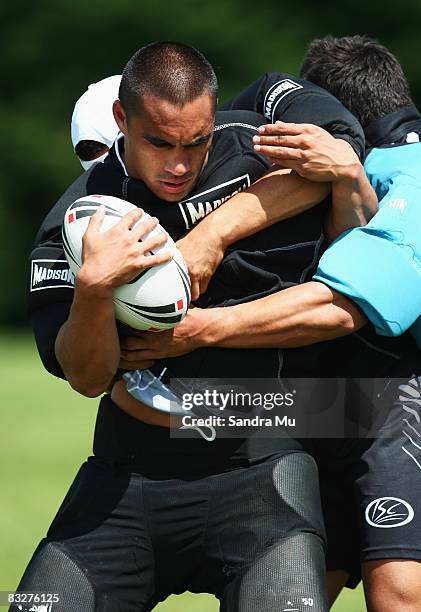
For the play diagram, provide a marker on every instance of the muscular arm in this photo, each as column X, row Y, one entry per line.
column 87, row 345
column 311, row 164
column 354, row 202
column 298, row 316
column 301, row 315
column 278, row 195
column 316, row 155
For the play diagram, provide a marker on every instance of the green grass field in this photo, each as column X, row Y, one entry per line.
column 46, row 433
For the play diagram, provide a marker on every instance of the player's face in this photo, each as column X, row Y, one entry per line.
column 165, row 145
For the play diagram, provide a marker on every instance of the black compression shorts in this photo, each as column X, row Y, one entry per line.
column 124, row 542
column 370, row 489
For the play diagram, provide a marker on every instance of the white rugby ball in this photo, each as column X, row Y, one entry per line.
column 159, row 296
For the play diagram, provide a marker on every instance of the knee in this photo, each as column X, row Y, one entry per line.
column 392, row 585
column 52, row 570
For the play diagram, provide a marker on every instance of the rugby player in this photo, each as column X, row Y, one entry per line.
column 188, row 514
column 368, row 79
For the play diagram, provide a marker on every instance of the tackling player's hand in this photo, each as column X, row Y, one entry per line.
column 139, row 347
column 307, row 149
column 203, row 251
column 114, row 257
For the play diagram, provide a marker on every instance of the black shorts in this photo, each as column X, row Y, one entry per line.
column 121, row 541
column 371, row 488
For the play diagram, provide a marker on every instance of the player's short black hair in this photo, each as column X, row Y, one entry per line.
column 360, row 72
column 172, row 71
column 87, row 150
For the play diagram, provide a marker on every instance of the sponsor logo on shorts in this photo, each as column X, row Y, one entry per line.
column 276, row 93
column 50, row 274
column 388, row 512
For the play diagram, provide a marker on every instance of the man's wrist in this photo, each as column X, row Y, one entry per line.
column 209, row 327
column 86, row 284
column 351, row 169
column 217, row 231
column 350, row 174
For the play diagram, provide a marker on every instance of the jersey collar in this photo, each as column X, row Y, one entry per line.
column 118, row 148
column 393, row 127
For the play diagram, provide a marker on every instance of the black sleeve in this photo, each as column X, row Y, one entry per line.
column 46, row 323
column 282, row 97
column 51, row 283
column 50, row 295
column 235, row 150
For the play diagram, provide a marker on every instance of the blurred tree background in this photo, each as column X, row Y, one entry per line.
column 52, row 49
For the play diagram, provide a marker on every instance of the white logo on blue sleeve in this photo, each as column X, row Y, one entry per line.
column 398, row 204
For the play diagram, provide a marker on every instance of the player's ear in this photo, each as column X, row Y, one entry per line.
column 120, row 116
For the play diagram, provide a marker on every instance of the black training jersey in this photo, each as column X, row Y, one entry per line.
column 275, row 258
column 232, row 166
column 281, row 97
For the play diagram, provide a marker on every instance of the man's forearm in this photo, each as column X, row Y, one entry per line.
column 298, row 316
column 278, row 195
column 87, row 345
column 316, row 155
column 354, row 203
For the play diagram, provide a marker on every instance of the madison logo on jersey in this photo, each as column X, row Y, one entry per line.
column 50, row 274
column 202, row 204
column 276, row 93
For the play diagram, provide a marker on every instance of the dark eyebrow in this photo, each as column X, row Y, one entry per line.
column 155, row 140
column 199, row 140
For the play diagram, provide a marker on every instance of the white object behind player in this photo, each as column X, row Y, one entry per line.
column 93, row 128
